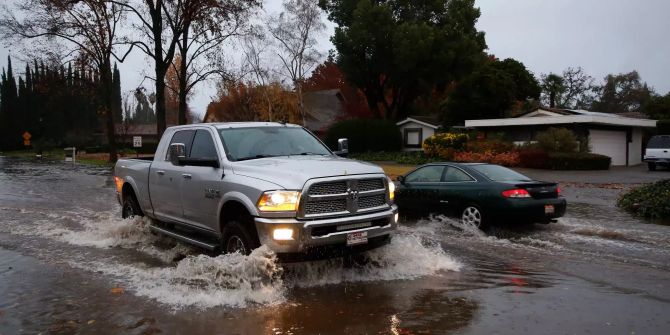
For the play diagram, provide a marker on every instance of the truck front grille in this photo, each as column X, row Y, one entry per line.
column 344, row 197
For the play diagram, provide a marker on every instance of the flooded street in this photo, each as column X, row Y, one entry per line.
column 70, row 264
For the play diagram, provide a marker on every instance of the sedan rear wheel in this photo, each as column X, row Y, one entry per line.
column 472, row 216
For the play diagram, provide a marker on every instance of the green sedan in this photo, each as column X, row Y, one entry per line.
column 479, row 194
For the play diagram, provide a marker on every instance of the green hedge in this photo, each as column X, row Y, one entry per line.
column 649, row 201
column 365, row 135
column 578, row 161
column 663, row 127
column 402, row 157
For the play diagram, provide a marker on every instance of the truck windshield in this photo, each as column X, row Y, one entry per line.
column 260, row 142
column 659, row 142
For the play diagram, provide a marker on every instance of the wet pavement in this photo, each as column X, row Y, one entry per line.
column 69, row 264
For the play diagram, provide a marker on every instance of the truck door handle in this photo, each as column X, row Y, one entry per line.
column 160, row 172
column 186, row 176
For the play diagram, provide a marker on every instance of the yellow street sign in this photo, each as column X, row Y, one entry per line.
column 27, row 136
column 26, row 142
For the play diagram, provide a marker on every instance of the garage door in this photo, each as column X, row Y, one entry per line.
column 609, row 143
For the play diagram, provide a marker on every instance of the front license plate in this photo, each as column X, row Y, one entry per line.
column 548, row 209
column 357, row 238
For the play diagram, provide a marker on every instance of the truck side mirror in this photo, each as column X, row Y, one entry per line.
column 342, row 147
column 177, row 151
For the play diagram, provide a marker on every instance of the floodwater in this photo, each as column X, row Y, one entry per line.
column 70, row 264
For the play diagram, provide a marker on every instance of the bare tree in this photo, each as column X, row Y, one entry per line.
column 206, row 25
column 579, row 88
column 295, row 30
column 89, row 27
column 159, row 24
column 255, row 45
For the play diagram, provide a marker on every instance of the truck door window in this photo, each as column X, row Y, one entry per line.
column 203, row 146
column 182, row 136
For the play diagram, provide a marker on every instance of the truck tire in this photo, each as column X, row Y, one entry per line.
column 130, row 207
column 651, row 166
column 236, row 238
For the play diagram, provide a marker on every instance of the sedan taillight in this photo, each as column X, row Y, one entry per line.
column 516, row 193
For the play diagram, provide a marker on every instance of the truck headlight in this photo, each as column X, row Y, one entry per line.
column 391, row 189
column 279, row 201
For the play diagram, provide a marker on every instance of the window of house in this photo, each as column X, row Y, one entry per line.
column 413, row 137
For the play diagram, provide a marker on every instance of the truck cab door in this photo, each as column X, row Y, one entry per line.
column 165, row 181
column 201, row 188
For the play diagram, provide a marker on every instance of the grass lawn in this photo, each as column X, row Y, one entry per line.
column 393, row 170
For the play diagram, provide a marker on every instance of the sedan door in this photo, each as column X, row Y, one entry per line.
column 458, row 188
column 165, row 181
column 201, row 188
column 419, row 191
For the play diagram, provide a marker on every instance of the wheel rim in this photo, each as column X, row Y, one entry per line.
column 128, row 211
column 472, row 216
column 235, row 244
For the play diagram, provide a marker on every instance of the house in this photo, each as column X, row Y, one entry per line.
column 322, row 109
column 126, row 131
column 617, row 136
column 415, row 129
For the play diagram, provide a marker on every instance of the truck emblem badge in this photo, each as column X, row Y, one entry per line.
column 353, row 194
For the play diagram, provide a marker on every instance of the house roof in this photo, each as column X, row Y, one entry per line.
column 547, row 116
column 323, row 108
column 428, row 121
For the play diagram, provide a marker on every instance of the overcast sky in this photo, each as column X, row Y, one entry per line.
column 602, row 36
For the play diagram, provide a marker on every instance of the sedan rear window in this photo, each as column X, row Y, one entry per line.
column 659, row 142
column 498, row 173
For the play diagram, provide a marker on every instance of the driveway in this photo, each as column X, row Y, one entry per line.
column 616, row 175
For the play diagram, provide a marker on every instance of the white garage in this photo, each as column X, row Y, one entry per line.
column 610, row 143
column 415, row 129
column 614, row 135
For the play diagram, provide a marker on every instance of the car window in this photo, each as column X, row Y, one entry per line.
column 182, row 136
column 428, row 174
column 203, row 146
column 659, row 142
column 454, row 175
column 499, row 173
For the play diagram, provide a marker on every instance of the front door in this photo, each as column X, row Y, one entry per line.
column 201, row 191
column 165, row 181
column 419, row 191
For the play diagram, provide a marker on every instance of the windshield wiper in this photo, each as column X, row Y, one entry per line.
column 254, row 157
column 307, row 153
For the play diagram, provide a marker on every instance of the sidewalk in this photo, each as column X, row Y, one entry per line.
column 615, row 175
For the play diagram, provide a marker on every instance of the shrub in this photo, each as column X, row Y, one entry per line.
column 365, row 135
column 510, row 158
column 494, row 145
column 578, row 161
column 533, row 158
column 444, row 145
column 409, row 157
column 557, row 140
column 650, row 201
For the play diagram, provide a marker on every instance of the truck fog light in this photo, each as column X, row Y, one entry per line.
column 282, row 234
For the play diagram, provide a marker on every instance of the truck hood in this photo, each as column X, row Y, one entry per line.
column 294, row 171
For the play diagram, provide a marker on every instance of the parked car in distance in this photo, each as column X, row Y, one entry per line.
column 236, row 186
column 478, row 194
column 657, row 152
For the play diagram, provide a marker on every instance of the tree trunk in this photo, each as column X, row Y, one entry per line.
column 183, row 75
column 161, row 69
column 552, row 99
column 301, row 104
column 106, row 86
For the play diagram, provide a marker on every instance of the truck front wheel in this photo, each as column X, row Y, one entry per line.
column 130, row 207
column 236, row 238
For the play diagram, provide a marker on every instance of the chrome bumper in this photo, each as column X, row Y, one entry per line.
column 302, row 230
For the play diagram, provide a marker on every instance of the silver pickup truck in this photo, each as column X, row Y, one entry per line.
column 235, row 186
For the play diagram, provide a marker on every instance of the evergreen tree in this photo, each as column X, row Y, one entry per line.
column 116, row 95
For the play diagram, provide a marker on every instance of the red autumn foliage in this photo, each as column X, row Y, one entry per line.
column 328, row 76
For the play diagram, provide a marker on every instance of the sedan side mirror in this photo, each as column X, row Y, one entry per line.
column 177, row 152
column 401, row 179
column 342, row 147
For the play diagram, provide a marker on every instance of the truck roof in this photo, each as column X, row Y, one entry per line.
column 221, row 125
